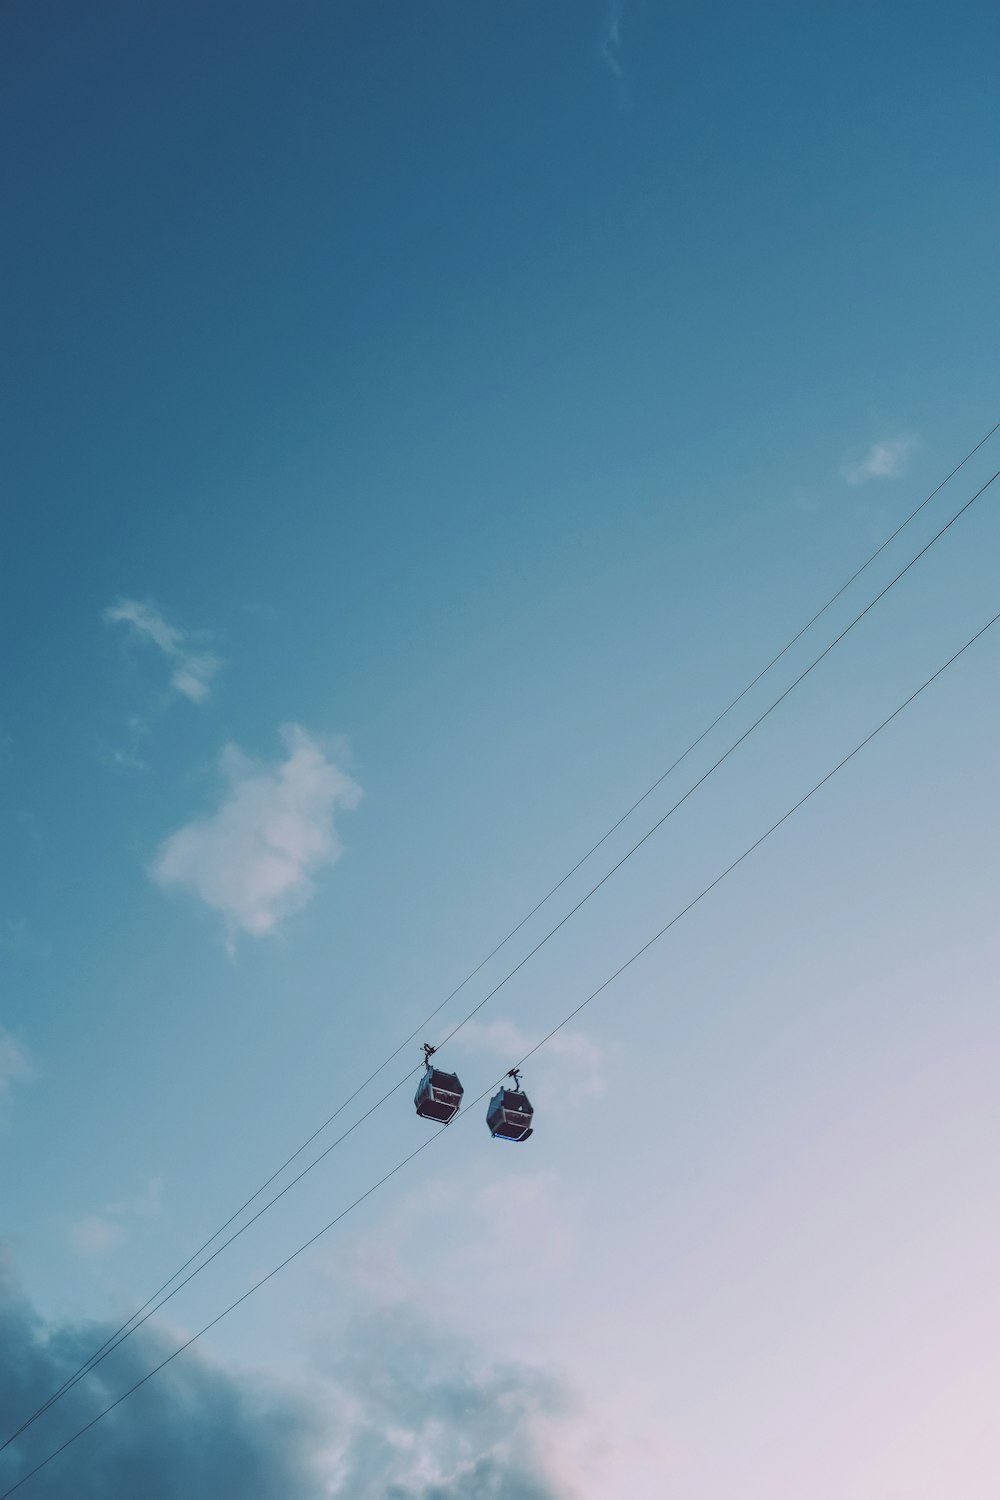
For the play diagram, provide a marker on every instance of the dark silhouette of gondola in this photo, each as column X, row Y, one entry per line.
column 510, row 1113
column 439, row 1094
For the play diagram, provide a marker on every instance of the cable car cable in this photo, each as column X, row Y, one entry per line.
column 157, row 1300
column 724, row 756
column 275, row 1270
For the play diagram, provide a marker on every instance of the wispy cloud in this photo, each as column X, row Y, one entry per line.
column 146, row 1204
column 885, row 459
column 192, row 670
column 253, row 859
column 127, row 757
column 97, row 1234
column 580, row 1060
column 611, row 48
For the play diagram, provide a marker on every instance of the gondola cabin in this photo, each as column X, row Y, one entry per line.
column 509, row 1115
column 439, row 1095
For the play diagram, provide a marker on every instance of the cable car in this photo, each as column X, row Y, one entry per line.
column 439, row 1094
column 510, row 1112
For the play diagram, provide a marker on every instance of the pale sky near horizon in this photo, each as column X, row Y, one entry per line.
column 421, row 420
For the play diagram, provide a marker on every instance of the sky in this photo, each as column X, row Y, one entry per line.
column 420, row 422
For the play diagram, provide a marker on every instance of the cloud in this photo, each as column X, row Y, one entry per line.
column 611, row 48
column 394, row 1408
column 97, row 1234
column 253, row 859
column 570, row 1049
column 192, row 670
column 420, row 1417
column 194, row 1430
column 884, row 460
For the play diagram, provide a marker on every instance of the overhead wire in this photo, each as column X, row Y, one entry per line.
column 601, row 988
column 158, row 1299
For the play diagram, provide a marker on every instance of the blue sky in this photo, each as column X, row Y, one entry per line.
column 420, row 421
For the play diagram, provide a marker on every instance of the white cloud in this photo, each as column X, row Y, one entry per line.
column 884, row 460
column 572, row 1049
column 421, row 1407
column 417, row 1412
column 253, row 859
column 192, row 670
